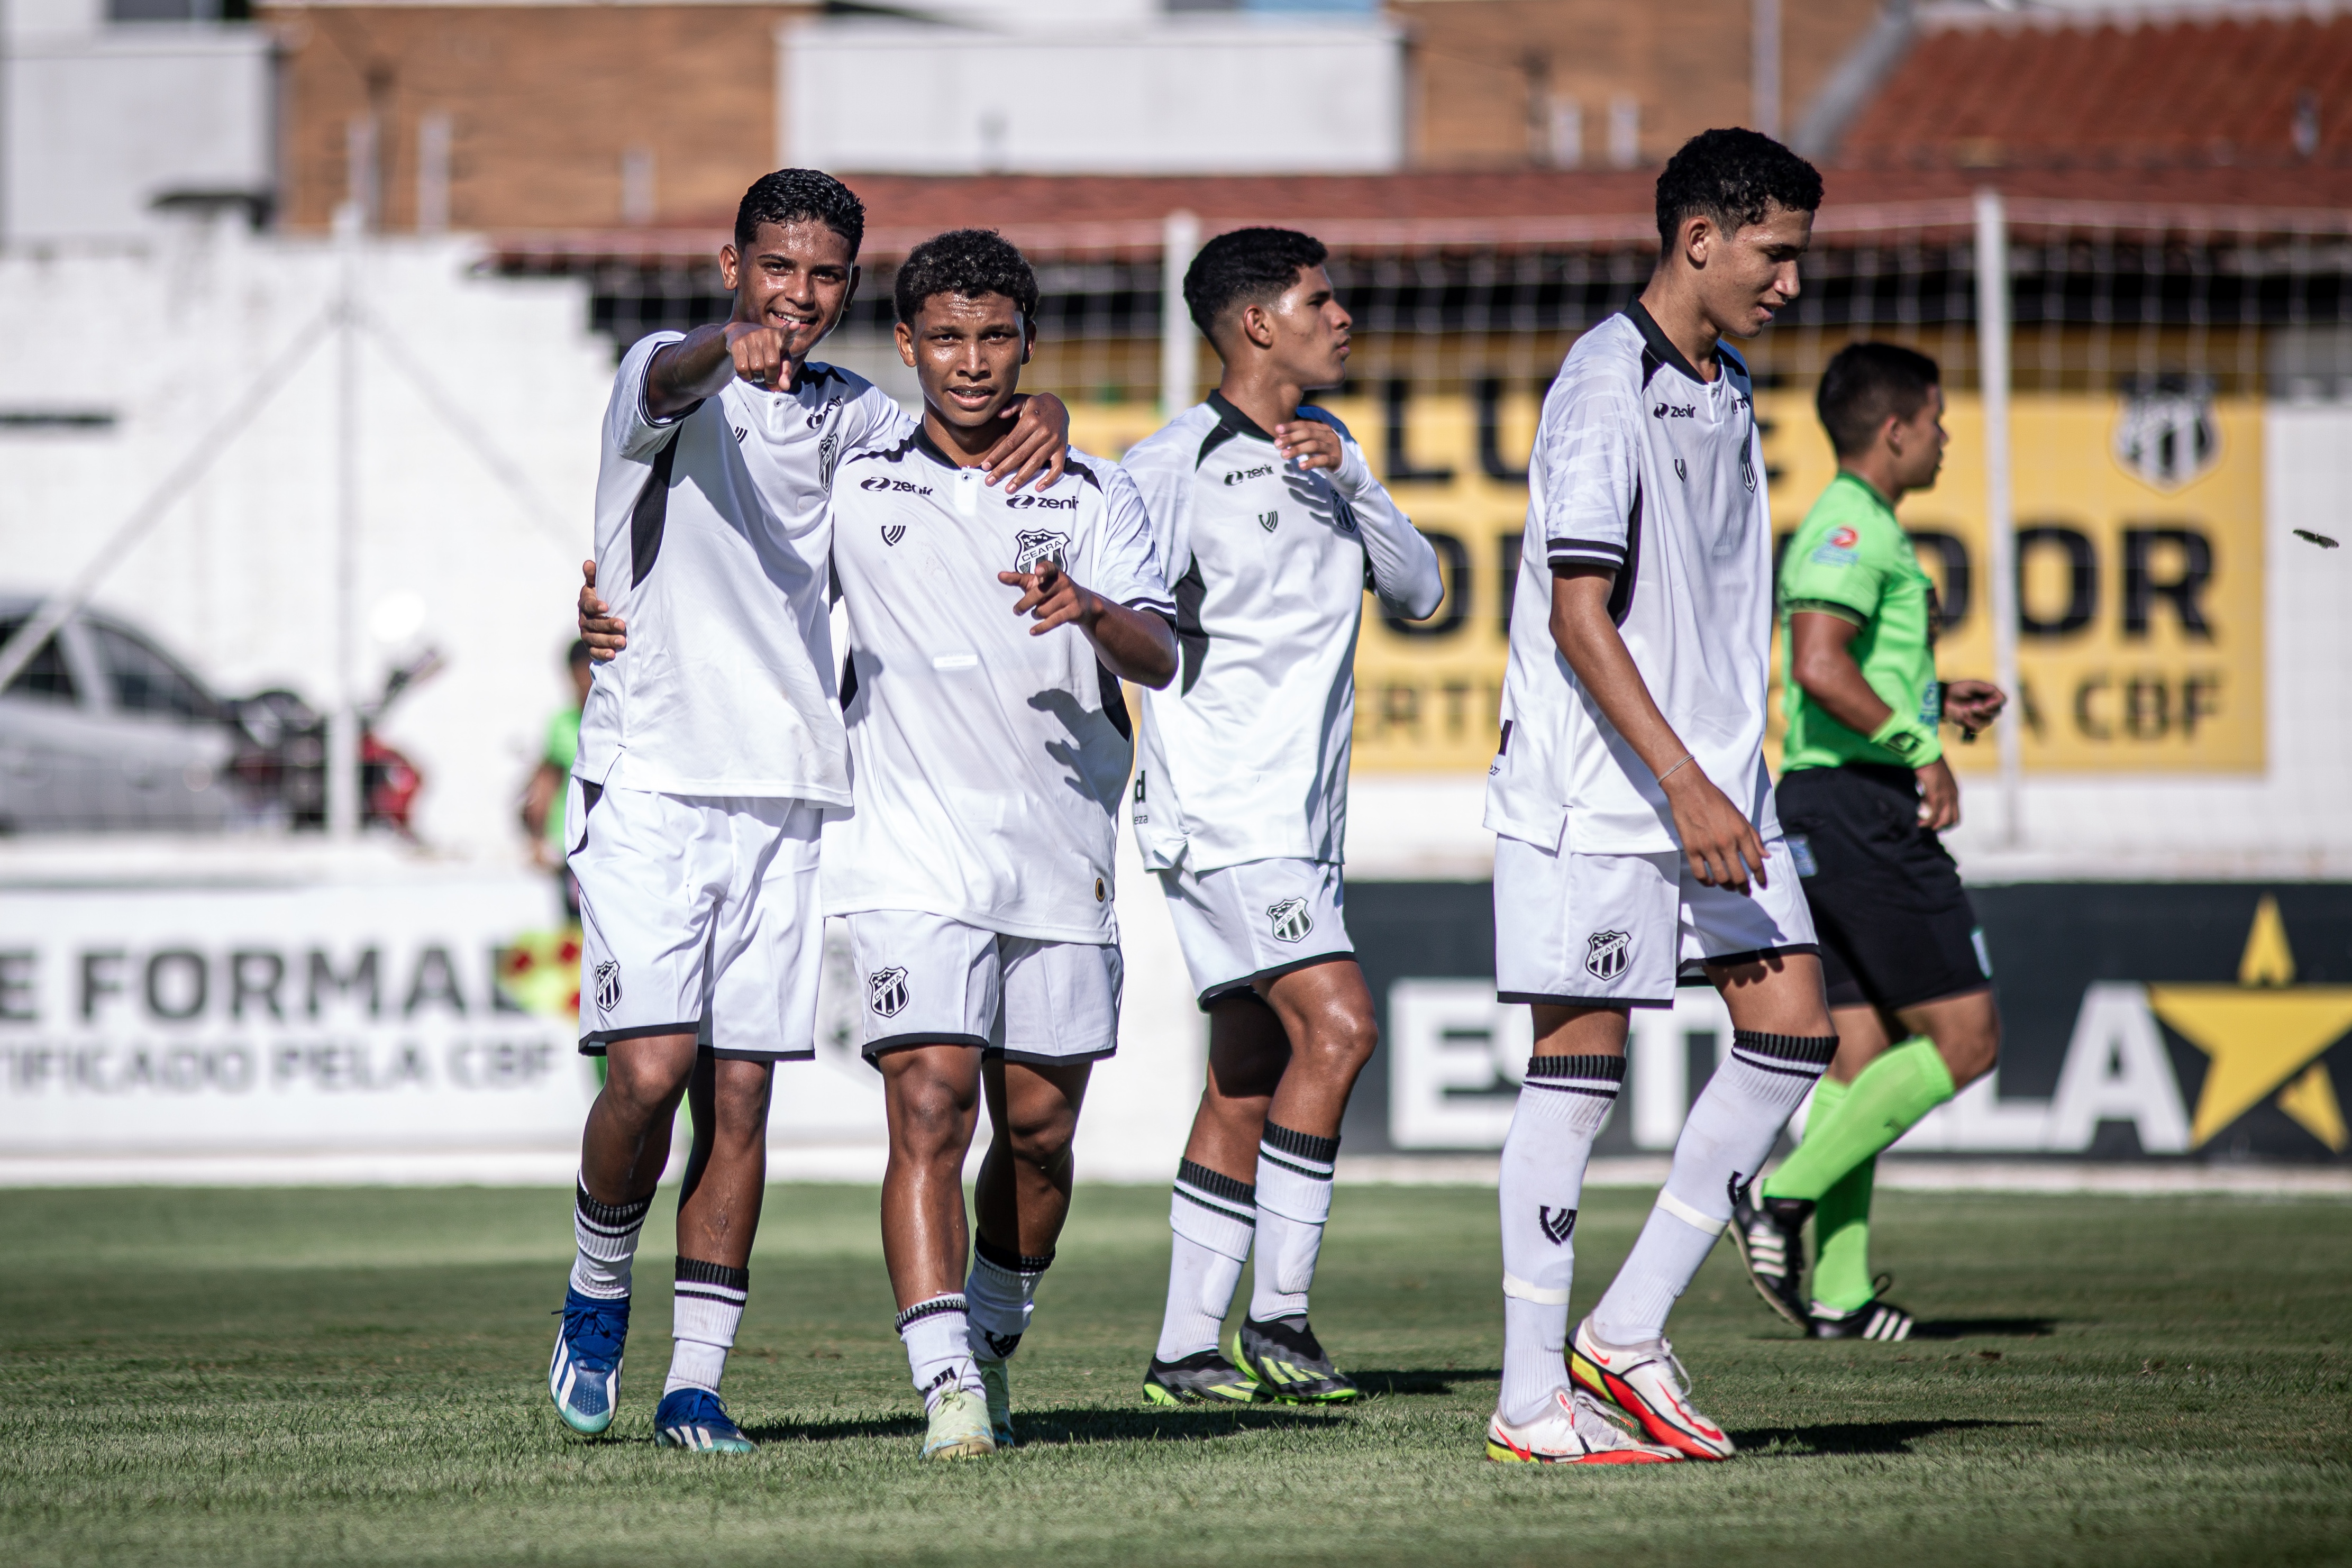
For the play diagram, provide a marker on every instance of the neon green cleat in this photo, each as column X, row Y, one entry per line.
column 1287, row 1362
column 959, row 1428
column 1206, row 1377
column 996, row 1383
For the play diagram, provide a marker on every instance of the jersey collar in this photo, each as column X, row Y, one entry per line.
column 1658, row 349
column 1230, row 422
column 932, row 449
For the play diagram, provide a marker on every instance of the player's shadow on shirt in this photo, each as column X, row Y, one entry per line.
column 1850, row 1437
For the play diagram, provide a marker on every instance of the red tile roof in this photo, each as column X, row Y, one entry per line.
column 2145, row 101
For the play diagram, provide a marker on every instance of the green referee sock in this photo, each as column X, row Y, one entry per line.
column 1841, row 1278
column 1885, row 1099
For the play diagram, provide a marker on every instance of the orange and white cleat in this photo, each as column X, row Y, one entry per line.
column 1576, row 1430
column 1648, row 1384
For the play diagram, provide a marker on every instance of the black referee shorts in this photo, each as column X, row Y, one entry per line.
column 1895, row 926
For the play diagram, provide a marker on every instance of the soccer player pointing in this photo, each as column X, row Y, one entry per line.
column 709, row 753
column 1865, row 791
column 1634, row 820
column 1272, row 526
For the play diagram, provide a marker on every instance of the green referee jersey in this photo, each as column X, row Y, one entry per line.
column 1851, row 559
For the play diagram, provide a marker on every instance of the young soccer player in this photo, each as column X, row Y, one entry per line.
column 989, row 746
column 1268, row 517
column 1636, row 835
column 1864, row 790
column 708, row 754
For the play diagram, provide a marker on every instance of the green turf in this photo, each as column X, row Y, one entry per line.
column 328, row 1377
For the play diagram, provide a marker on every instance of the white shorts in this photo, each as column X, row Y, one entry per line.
column 698, row 915
column 1240, row 924
column 933, row 980
column 1617, row 930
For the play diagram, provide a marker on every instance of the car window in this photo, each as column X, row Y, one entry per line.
column 145, row 681
column 46, row 675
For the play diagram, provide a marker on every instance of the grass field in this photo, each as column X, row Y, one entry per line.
column 322, row 1377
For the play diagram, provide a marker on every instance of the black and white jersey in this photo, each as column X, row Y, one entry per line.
column 1642, row 466
column 1245, row 753
column 988, row 763
column 711, row 539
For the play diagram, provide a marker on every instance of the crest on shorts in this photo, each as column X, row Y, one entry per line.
column 1036, row 546
column 886, row 991
column 1556, row 1223
column 1292, row 920
column 608, row 986
column 1605, row 953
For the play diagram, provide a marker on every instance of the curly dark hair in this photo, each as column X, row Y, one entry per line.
column 1246, row 267
column 795, row 195
column 1866, row 384
column 1734, row 177
column 968, row 263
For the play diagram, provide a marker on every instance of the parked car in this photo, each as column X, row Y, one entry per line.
column 105, row 731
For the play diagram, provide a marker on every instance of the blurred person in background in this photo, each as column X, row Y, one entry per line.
column 1865, row 791
column 540, row 818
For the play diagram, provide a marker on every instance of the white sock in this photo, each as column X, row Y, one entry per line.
column 1000, row 1295
column 1214, row 1217
column 706, row 1307
column 938, row 1347
column 1724, row 1145
column 607, row 1235
column 1293, row 1201
column 1561, row 1107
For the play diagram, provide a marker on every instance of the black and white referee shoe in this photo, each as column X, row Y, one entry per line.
column 1877, row 1319
column 1769, row 1233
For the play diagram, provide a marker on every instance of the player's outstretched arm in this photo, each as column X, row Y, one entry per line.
column 1404, row 564
column 604, row 633
column 701, row 364
column 1134, row 645
column 1038, row 442
column 1718, row 839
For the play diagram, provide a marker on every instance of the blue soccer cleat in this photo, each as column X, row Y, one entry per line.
column 585, row 1377
column 696, row 1419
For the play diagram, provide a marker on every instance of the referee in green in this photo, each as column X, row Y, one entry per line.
column 1863, row 791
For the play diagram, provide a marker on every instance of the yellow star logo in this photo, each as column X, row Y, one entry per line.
column 2260, row 1033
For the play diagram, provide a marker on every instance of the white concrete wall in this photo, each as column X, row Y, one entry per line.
column 238, row 578
column 1178, row 95
column 99, row 121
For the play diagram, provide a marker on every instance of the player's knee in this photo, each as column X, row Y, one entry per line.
column 927, row 1114
column 1971, row 1053
column 637, row 1091
column 740, row 1104
column 1341, row 1042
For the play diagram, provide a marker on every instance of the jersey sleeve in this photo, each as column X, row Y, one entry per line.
column 629, row 430
column 1403, row 563
column 1163, row 488
column 1127, row 567
column 874, row 419
column 1838, row 563
column 1591, row 472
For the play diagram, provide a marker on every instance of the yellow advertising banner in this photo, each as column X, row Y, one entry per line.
column 2139, row 519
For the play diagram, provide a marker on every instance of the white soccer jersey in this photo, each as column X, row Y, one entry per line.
column 988, row 763
column 1245, row 753
column 1642, row 466
column 711, row 538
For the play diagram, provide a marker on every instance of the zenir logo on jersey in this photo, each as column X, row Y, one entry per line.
column 1292, row 920
column 885, row 482
column 1556, row 1223
column 886, row 991
column 1036, row 546
column 1674, row 411
column 817, row 415
column 1605, row 953
column 893, row 532
column 1052, row 503
column 1243, row 476
column 608, row 986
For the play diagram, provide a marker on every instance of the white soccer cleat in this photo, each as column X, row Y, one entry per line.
column 1574, row 1431
column 1649, row 1384
column 959, row 1428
